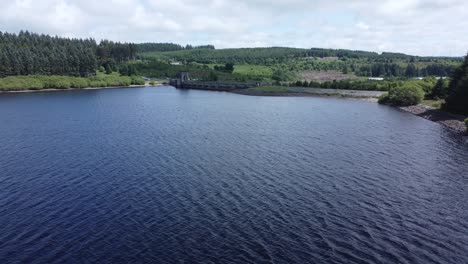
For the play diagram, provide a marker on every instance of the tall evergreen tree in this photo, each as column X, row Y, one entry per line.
column 411, row 70
column 28, row 53
column 457, row 101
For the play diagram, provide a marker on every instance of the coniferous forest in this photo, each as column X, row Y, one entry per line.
column 457, row 100
column 34, row 54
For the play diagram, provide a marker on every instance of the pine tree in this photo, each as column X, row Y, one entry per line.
column 123, row 70
column 457, row 101
column 410, row 70
column 439, row 89
column 108, row 69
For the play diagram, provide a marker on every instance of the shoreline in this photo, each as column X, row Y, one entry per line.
column 369, row 96
column 454, row 122
column 338, row 96
column 451, row 121
column 70, row 89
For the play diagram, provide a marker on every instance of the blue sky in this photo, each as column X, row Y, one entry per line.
column 419, row 27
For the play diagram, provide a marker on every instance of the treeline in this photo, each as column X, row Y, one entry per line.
column 228, row 67
column 373, row 56
column 261, row 56
column 427, row 84
column 404, row 92
column 457, row 100
column 29, row 53
column 369, row 68
column 266, row 56
column 361, row 63
column 398, row 70
column 163, row 47
column 119, row 52
column 321, row 53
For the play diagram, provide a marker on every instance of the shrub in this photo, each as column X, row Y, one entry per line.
column 14, row 83
column 38, row 82
column 56, row 82
column 79, row 83
column 384, row 99
column 466, row 124
column 405, row 95
column 137, row 80
column 457, row 101
column 97, row 83
column 125, row 81
column 34, row 84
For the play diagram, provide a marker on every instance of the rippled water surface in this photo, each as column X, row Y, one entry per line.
column 159, row 175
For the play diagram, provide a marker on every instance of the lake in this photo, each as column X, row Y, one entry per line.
column 160, row 175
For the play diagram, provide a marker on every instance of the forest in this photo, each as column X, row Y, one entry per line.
column 162, row 47
column 33, row 54
column 360, row 63
column 28, row 53
column 457, row 99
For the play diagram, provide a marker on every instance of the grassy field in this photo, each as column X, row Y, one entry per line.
column 250, row 69
column 433, row 103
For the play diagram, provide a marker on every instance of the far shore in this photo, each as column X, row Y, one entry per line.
column 366, row 99
column 71, row 89
column 371, row 96
column 452, row 121
column 449, row 120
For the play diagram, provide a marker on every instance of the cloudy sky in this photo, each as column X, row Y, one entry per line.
column 419, row 27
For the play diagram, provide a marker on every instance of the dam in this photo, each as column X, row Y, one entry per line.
column 184, row 82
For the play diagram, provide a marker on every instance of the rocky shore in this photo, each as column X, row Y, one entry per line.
column 452, row 121
column 299, row 91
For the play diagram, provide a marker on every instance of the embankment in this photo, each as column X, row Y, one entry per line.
column 300, row 91
column 452, row 121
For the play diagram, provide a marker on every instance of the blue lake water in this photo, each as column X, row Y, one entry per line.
column 159, row 175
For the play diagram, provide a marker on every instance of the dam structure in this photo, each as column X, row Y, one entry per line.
column 184, row 82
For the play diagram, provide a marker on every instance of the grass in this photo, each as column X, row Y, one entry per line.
column 433, row 103
column 250, row 69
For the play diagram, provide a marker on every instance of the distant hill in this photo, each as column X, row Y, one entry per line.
column 273, row 54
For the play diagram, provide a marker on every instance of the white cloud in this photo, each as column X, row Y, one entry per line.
column 420, row 27
column 363, row 26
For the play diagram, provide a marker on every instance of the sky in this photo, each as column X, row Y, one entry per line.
column 416, row 27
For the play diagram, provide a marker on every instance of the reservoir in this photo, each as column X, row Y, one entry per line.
column 160, row 175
